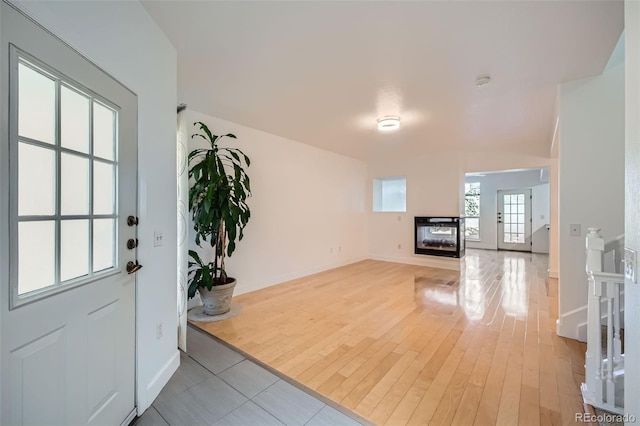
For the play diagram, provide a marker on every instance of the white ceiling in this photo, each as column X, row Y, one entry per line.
column 323, row 72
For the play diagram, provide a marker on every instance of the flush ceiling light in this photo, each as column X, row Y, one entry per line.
column 388, row 124
column 483, row 80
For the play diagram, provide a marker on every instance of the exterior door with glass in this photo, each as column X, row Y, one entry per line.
column 514, row 220
column 68, row 182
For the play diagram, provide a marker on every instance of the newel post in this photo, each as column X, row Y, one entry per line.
column 595, row 250
column 593, row 361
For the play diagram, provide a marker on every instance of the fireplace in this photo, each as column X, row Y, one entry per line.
column 439, row 236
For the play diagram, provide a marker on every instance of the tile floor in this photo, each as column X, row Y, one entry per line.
column 218, row 386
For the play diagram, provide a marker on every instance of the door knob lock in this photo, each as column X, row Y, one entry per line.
column 132, row 267
column 132, row 220
column 132, row 243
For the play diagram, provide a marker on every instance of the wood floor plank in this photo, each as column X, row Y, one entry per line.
column 404, row 344
column 380, row 389
column 469, row 403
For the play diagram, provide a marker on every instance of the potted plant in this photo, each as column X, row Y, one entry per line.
column 217, row 201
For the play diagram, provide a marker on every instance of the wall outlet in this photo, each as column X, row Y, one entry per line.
column 575, row 230
column 630, row 265
column 158, row 239
column 159, row 331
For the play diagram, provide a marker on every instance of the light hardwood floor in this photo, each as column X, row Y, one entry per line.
column 401, row 344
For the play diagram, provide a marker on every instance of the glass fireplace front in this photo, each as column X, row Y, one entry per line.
column 439, row 236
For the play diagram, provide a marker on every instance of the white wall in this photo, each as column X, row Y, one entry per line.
column 434, row 188
column 591, row 181
column 490, row 184
column 632, row 205
column 554, row 234
column 307, row 208
column 540, row 216
column 123, row 39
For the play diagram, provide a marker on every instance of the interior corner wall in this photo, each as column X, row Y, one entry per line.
column 122, row 39
column 307, row 208
column 591, row 182
column 434, row 188
column 632, row 205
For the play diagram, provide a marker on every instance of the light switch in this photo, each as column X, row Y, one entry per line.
column 575, row 230
column 158, row 239
column 630, row 265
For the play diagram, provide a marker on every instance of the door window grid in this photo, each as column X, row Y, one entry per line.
column 514, row 218
column 63, row 244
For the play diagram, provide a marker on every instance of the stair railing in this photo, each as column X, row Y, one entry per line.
column 604, row 366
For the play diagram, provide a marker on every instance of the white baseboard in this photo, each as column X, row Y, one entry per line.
column 422, row 260
column 158, row 382
column 569, row 323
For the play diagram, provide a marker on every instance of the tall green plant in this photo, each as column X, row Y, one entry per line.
column 217, row 201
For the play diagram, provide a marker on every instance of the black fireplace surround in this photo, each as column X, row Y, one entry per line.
column 439, row 236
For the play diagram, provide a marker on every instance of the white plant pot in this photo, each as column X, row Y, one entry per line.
column 217, row 301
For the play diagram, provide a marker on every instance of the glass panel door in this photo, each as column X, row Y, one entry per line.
column 514, row 220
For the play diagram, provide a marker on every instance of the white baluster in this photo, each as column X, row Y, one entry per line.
column 594, row 345
column 610, row 384
column 617, row 343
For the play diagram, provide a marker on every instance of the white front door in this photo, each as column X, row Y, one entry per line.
column 514, row 220
column 68, row 182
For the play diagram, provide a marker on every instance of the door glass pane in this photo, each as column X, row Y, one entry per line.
column 103, row 131
column 74, row 120
column 36, row 255
column 36, row 180
column 103, row 244
column 74, row 196
column 36, row 105
column 507, row 208
column 103, row 184
column 74, row 249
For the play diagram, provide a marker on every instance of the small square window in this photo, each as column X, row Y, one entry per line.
column 390, row 194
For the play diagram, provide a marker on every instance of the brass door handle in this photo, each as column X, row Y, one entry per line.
column 132, row 268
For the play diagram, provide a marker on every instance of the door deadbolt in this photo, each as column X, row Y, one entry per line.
column 132, row 243
column 132, row 268
column 132, row 220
